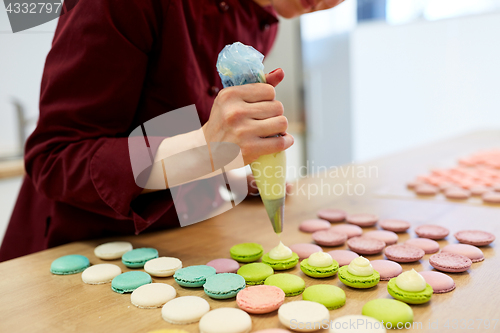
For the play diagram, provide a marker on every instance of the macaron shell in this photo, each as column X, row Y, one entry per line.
column 304, row 250
column 350, row 230
column 163, row 266
column 224, row 265
column 343, row 257
column 457, row 193
column 359, row 282
column 255, row 273
column 225, row 320
column 389, row 311
column 362, row 220
column 314, row 225
column 318, row 272
column 428, row 245
column 129, row 281
column 112, row 250
column 260, row 299
column 475, row 237
column 246, row 252
column 403, row 253
column 193, row 276
column 491, row 197
column 303, row 311
column 138, row 257
column 450, row 262
column 100, row 274
column 153, row 295
column 426, row 189
column 440, row 282
column 291, row 284
column 365, row 245
column 409, row 297
column 224, row 285
column 272, row 330
column 431, row 231
column 330, row 296
column 387, row 269
column 329, row 238
column 332, row 215
column 394, row 225
column 388, row 237
column 470, row 251
column 280, row 265
column 184, row 310
column 70, row 264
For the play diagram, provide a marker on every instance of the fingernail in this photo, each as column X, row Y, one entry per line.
column 274, row 71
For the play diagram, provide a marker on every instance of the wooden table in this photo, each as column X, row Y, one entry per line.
column 33, row 300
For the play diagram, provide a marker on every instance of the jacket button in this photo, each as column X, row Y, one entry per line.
column 213, row 91
column 223, row 6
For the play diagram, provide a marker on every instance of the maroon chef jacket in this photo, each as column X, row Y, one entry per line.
column 114, row 65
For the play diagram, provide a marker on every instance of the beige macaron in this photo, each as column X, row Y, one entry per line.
column 100, row 274
column 112, row 250
column 152, row 295
column 163, row 266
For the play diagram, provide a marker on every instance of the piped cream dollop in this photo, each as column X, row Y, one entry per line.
column 280, row 252
column 360, row 267
column 411, row 281
column 320, row 259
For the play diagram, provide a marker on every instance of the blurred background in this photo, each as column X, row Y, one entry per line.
column 363, row 80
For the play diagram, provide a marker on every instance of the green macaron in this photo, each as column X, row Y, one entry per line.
column 246, row 252
column 129, row 281
column 355, row 281
column 410, row 297
column 255, row 273
column 389, row 311
column 193, row 276
column 291, row 284
column 330, row 296
column 138, row 257
column 70, row 264
column 319, row 272
column 224, row 285
column 280, row 265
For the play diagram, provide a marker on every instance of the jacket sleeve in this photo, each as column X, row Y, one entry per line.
column 91, row 89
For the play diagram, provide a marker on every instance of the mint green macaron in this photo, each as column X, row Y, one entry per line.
column 70, row 264
column 129, row 281
column 136, row 258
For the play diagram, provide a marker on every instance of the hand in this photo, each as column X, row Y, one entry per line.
column 249, row 116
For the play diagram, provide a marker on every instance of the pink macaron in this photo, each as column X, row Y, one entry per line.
column 457, row 193
column 403, row 253
column 428, row 245
column 394, row 225
column 314, row 225
column 329, row 238
column 387, row 269
column 491, row 197
column 343, row 257
column 260, row 299
column 426, row 189
column 450, row 262
column 388, row 237
column 440, row 283
column 470, row 251
column 349, row 229
column 332, row 215
column 365, row 245
column 474, row 237
column 479, row 190
column 224, row 265
column 362, row 220
column 304, row 250
column 432, row 231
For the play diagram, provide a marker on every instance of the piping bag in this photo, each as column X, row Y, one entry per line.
column 239, row 64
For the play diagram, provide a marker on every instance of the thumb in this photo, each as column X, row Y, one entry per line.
column 275, row 77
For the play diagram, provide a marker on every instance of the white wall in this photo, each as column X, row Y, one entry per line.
column 417, row 83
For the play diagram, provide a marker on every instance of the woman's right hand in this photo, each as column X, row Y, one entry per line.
column 250, row 117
